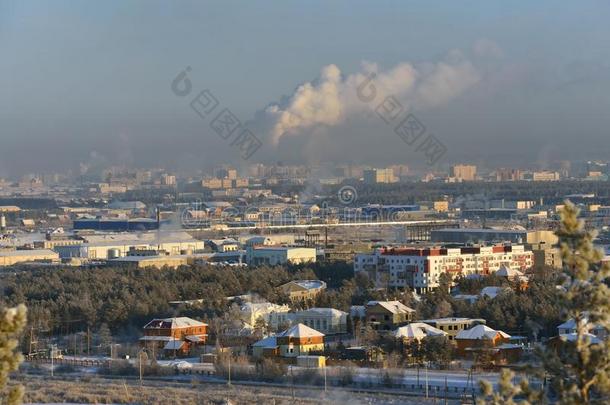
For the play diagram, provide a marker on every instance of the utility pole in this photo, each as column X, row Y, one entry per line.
column 52, row 354
column 426, row 380
column 325, row 384
column 140, row 361
column 229, row 381
column 292, row 377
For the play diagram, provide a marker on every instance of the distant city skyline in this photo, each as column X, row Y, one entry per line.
column 519, row 84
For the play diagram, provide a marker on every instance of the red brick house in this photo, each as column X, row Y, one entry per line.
column 481, row 336
column 174, row 336
column 485, row 341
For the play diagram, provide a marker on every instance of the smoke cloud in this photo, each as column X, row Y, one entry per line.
column 332, row 98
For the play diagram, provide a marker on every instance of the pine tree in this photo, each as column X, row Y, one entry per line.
column 579, row 366
column 507, row 392
column 579, row 369
column 12, row 322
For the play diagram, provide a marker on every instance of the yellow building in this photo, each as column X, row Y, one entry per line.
column 298, row 290
column 453, row 326
column 298, row 340
column 464, row 172
column 441, row 206
column 143, row 262
column 11, row 257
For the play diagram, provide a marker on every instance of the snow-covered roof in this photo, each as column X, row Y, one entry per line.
column 571, row 337
column 216, row 204
column 171, row 323
column 126, row 238
column 571, row 324
column 266, row 307
column 480, row 332
column 395, row 307
column 357, row 311
column 325, row 312
column 466, row 297
column 270, row 341
column 127, row 205
column 224, row 241
column 492, row 292
column 418, row 330
column 308, row 284
column 174, row 344
column 299, row 331
column 505, row 271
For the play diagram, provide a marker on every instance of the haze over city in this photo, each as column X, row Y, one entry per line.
column 516, row 83
column 304, row 202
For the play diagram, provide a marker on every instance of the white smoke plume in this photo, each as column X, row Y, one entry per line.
column 333, row 97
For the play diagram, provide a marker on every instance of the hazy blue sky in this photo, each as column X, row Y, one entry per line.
column 83, row 80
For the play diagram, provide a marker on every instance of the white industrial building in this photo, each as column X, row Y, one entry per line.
column 276, row 255
column 112, row 246
column 420, row 268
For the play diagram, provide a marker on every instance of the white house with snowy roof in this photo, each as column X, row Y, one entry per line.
column 417, row 331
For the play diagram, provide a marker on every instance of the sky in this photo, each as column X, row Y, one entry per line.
column 85, row 84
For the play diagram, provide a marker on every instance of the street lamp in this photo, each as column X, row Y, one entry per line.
column 141, row 353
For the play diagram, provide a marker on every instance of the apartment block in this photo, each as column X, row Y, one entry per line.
column 420, row 268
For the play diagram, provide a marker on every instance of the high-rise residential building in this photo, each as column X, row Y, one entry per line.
column 349, row 171
column 225, row 173
column 504, row 174
column 400, row 170
column 545, row 176
column 168, row 179
column 256, row 170
column 379, row 176
column 464, row 172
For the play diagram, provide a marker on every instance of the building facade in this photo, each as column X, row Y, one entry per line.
column 379, row 176
column 300, row 340
column 464, row 172
column 173, row 336
column 302, row 290
column 9, row 257
column 387, row 315
column 278, row 255
column 326, row 320
column 420, row 268
column 453, row 326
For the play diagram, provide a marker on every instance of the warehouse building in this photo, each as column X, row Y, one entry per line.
column 113, row 246
column 277, row 255
column 9, row 257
